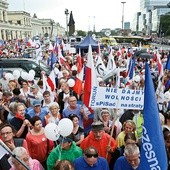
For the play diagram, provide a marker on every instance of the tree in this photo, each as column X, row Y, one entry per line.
column 81, row 33
column 164, row 27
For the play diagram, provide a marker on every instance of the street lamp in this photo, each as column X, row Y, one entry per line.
column 123, row 17
column 66, row 13
column 52, row 27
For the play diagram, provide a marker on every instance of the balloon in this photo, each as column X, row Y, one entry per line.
column 30, row 77
column 136, row 78
column 32, row 72
column 167, row 96
column 71, row 82
column 24, row 75
column 9, row 76
column 51, row 131
column 65, row 126
column 16, row 74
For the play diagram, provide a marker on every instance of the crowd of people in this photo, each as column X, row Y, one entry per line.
column 26, row 107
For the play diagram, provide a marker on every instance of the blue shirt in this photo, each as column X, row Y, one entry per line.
column 81, row 164
column 76, row 111
column 42, row 114
column 122, row 164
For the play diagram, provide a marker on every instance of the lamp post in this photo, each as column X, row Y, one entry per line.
column 52, row 27
column 66, row 13
column 123, row 17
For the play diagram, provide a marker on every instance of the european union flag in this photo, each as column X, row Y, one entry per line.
column 153, row 153
column 131, row 66
column 167, row 66
column 51, row 60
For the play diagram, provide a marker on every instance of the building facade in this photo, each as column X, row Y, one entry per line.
column 147, row 20
column 20, row 24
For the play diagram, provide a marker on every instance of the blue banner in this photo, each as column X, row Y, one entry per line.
column 153, row 153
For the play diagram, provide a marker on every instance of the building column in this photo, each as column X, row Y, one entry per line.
column 1, row 15
column 5, row 16
column 4, row 35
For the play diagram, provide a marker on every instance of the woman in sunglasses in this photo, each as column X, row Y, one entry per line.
column 91, row 160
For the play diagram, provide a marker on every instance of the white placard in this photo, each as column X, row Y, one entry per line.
column 108, row 97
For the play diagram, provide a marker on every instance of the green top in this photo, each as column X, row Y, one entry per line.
column 71, row 154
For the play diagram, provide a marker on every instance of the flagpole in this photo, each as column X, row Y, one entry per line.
column 112, row 130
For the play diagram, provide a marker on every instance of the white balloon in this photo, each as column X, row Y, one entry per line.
column 9, row 76
column 51, row 131
column 30, row 77
column 167, row 96
column 71, row 82
column 136, row 78
column 16, row 74
column 65, row 126
column 32, row 72
column 24, row 75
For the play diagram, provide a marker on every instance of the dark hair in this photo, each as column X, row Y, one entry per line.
column 16, row 91
column 72, row 116
column 166, row 135
column 64, row 165
column 24, row 81
column 46, row 93
column 5, row 124
column 167, row 116
column 40, row 83
column 34, row 119
column 131, row 136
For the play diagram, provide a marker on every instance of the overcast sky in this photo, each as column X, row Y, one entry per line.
column 105, row 14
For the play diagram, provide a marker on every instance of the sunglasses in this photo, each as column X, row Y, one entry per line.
column 92, row 155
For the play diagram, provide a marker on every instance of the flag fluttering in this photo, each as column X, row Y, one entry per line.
column 90, row 77
column 153, row 153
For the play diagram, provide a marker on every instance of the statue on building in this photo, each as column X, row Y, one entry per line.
column 71, row 24
column 35, row 15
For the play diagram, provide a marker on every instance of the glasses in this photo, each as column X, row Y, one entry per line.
column 5, row 133
column 92, row 155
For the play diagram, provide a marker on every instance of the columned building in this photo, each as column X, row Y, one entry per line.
column 20, row 24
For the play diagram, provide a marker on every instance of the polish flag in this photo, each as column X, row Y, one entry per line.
column 160, row 66
column 51, row 80
column 62, row 60
column 79, row 62
column 51, row 48
column 45, row 84
column 90, row 77
column 78, row 82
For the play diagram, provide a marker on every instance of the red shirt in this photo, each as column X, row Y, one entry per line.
column 100, row 145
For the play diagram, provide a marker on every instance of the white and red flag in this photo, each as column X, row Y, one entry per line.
column 90, row 77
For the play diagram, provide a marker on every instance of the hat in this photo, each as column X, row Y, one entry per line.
column 62, row 139
column 104, row 110
column 97, row 125
column 36, row 103
column 16, row 91
column 34, row 86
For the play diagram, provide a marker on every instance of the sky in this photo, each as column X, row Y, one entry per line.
column 87, row 13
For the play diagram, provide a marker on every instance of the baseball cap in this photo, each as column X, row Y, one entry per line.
column 97, row 125
column 34, row 86
column 36, row 103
